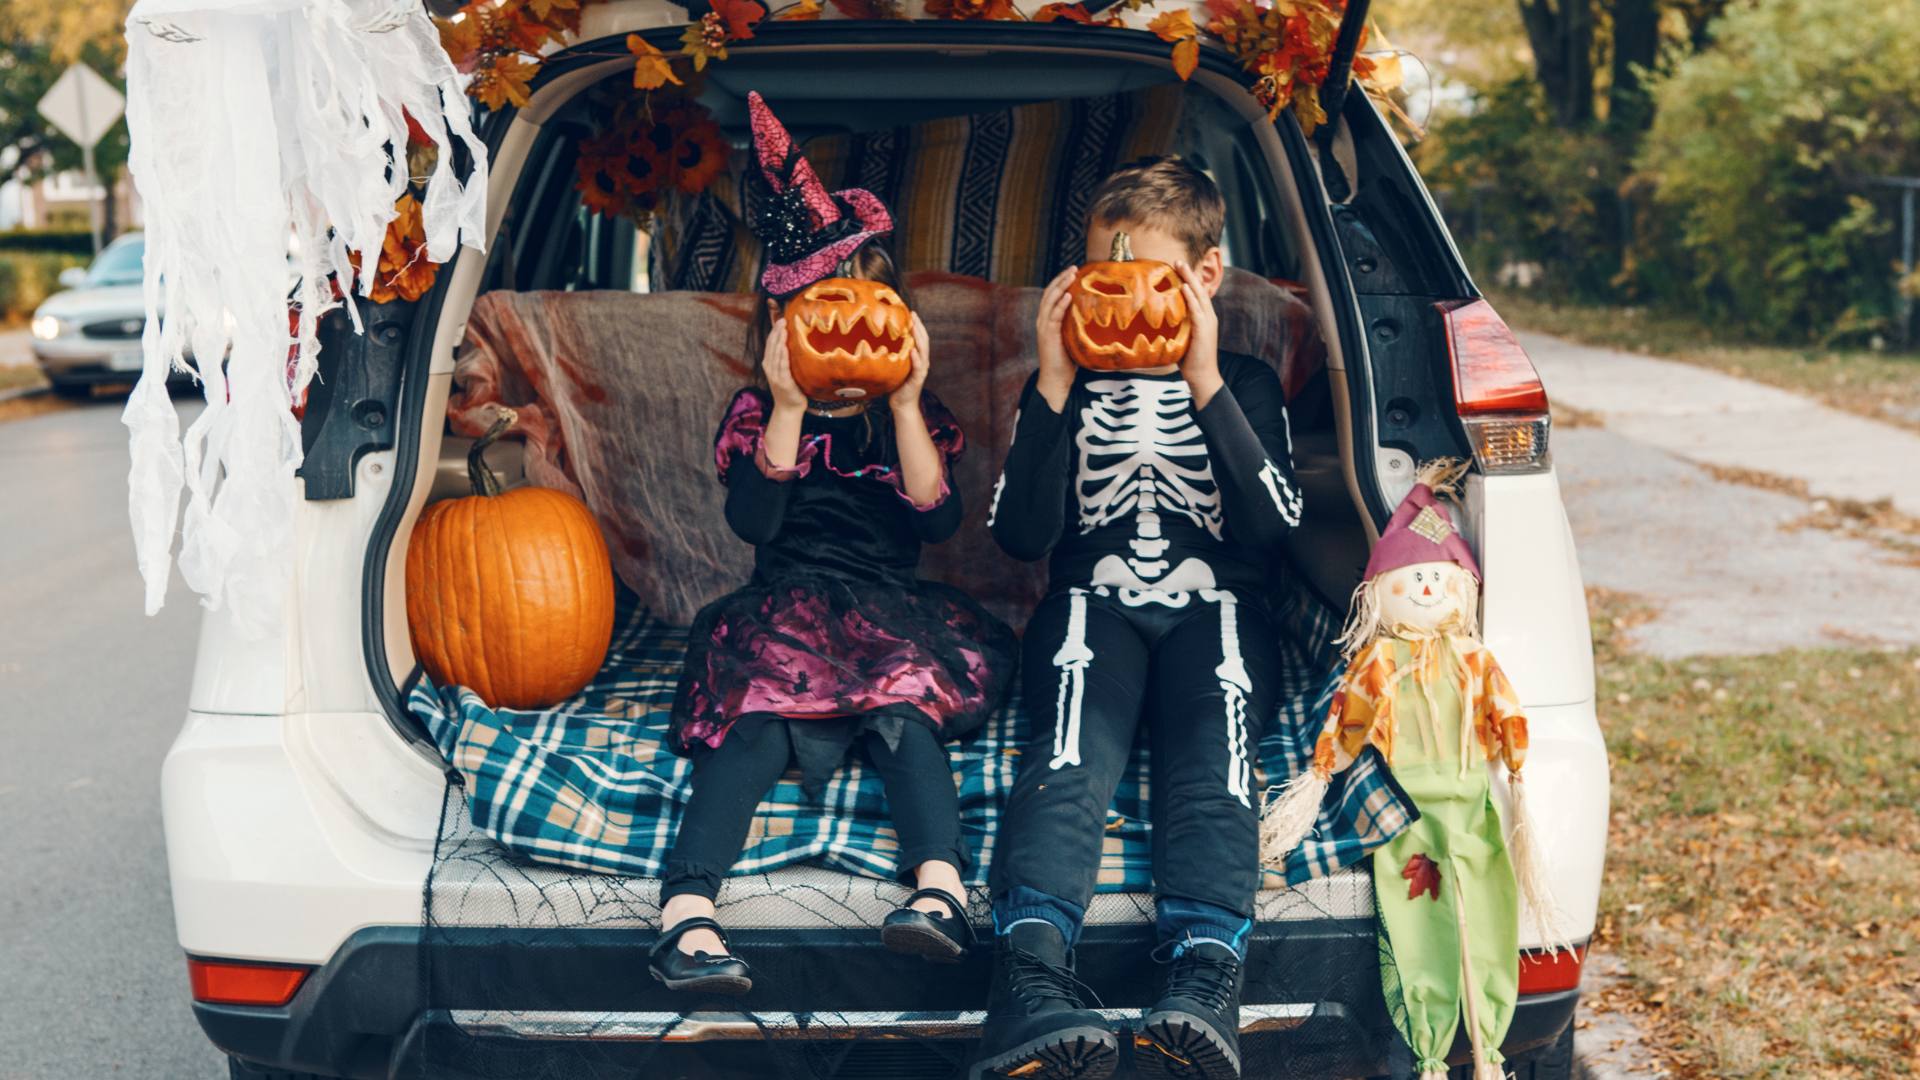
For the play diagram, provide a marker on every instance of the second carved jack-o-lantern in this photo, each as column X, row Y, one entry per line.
column 1126, row 313
column 849, row 339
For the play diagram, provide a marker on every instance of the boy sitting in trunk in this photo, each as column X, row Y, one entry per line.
column 1159, row 494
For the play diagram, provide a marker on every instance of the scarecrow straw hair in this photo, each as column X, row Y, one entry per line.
column 1530, row 871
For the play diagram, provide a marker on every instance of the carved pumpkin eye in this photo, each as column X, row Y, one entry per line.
column 1108, row 288
column 1164, row 284
column 842, row 296
column 887, row 297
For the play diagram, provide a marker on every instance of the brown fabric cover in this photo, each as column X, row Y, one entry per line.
column 619, row 395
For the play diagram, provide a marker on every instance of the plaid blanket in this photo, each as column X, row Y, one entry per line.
column 590, row 785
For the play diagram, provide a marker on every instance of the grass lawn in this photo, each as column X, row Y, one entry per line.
column 1884, row 386
column 1763, row 872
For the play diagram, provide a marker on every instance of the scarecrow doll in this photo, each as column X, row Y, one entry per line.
column 1423, row 690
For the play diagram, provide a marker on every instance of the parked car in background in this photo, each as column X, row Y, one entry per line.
column 89, row 334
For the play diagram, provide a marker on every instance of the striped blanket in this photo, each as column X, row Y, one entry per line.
column 590, row 785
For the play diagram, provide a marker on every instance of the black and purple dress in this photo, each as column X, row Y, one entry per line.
column 835, row 635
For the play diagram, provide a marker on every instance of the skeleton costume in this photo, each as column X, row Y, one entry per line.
column 835, row 643
column 1160, row 521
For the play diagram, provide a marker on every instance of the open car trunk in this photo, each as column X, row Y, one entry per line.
column 620, row 347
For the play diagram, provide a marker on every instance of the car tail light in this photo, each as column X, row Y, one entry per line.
column 1545, row 973
column 228, row 982
column 1496, row 390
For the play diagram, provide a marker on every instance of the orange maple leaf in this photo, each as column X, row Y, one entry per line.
column 804, row 10
column 403, row 270
column 651, row 67
column 504, row 80
column 1174, row 26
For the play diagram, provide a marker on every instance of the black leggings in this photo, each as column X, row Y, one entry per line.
column 729, row 782
column 1201, row 666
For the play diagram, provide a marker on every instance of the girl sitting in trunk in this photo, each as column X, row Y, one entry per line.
column 834, row 645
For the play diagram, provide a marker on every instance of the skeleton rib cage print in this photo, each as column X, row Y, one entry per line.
column 1143, row 455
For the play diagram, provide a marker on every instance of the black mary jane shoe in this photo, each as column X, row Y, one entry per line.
column 943, row 939
column 699, row 972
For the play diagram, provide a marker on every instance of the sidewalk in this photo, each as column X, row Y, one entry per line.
column 1705, row 416
column 16, row 347
column 1731, row 567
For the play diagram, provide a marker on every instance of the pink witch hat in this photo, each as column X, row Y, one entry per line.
column 1420, row 530
column 805, row 230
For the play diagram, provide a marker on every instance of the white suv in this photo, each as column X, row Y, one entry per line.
column 340, row 916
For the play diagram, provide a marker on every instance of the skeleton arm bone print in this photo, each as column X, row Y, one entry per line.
column 1250, row 447
column 1028, row 512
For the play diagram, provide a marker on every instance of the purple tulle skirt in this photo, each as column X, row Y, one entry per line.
column 846, row 656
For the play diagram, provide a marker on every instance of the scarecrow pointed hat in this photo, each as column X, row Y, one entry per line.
column 805, row 230
column 1420, row 530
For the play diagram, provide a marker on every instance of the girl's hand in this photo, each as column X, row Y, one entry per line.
column 1056, row 367
column 908, row 395
column 1201, row 368
column 779, row 370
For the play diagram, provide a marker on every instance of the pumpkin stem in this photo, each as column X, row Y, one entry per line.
column 481, row 477
column 1122, row 248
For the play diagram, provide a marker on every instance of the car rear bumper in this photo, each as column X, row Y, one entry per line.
column 489, row 1002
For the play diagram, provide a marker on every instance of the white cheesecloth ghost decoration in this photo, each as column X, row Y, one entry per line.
column 253, row 122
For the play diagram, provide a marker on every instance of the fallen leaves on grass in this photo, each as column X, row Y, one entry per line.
column 1763, row 883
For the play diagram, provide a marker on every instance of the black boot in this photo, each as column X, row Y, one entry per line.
column 701, row 972
column 1038, row 1026
column 1194, row 1032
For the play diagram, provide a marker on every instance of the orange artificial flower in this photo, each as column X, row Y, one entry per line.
column 698, row 155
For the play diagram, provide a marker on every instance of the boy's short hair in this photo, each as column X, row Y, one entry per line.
column 1166, row 192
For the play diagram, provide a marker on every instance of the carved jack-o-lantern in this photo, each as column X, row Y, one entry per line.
column 1126, row 313
column 849, row 339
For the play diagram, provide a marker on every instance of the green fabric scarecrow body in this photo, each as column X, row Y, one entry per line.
column 1445, row 888
column 1427, row 694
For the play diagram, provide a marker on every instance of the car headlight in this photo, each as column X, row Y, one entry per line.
column 48, row 327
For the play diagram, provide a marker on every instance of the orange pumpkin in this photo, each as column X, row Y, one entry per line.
column 849, row 339
column 1126, row 313
column 509, row 594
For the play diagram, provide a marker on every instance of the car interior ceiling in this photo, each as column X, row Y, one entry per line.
column 549, row 241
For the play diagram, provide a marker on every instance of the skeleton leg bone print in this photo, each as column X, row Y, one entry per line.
column 1076, row 655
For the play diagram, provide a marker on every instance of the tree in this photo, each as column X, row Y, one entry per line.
column 44, row 38
column 1560, row 33
column 1764, row 148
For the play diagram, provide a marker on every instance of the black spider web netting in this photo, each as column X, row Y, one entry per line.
column 534, row 971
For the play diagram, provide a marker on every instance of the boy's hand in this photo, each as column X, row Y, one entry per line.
column 1202, row 364
column 1056, row 367
column 907, row 397
column 786, row 393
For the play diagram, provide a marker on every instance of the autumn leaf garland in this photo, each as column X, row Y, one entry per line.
column 1286, row 45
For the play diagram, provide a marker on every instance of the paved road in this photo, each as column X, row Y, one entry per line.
column 1732, row 568
column 91, row 983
